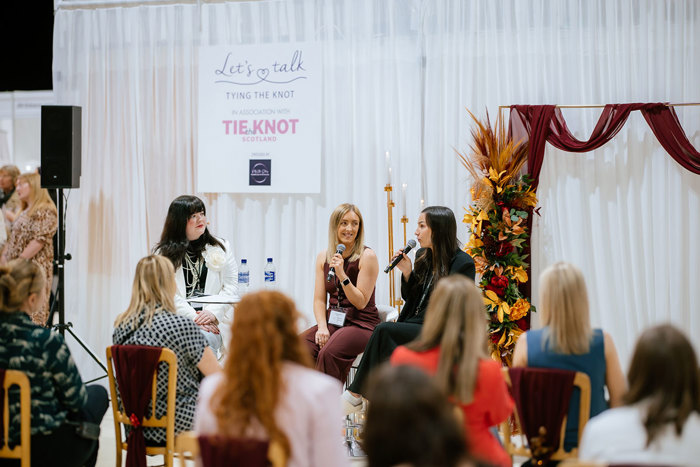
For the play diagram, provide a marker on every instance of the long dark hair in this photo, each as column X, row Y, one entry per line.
column 430, row 432
column 664, row 374
column 173, row 242
column 438, row 258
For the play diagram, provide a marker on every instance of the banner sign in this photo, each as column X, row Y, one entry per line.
column 259, row 119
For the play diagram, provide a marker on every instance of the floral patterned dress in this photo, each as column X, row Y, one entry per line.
column 41, row 226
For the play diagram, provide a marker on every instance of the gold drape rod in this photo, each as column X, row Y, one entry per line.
column 600, row 106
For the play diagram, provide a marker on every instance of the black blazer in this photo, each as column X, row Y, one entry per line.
column 412, row 291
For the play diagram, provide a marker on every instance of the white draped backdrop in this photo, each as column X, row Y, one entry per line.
column 397, row 76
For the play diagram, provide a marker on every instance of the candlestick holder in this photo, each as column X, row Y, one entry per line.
column 390, row 230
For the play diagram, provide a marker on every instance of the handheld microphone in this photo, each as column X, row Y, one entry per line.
column 331, row 272
column 409, row 246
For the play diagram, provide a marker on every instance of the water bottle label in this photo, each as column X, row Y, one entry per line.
column 269, row 276
column 243, row 277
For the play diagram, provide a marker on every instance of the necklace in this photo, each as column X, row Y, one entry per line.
column 193, row 272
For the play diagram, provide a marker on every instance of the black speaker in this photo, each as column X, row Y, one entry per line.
column 60, row 146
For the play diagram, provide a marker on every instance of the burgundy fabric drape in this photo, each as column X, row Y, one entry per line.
column 538, row 124
column 222, row 451
column 542, row 399
column 2, row 404
column 664, row 122
column 542, row 123
column 134, row 367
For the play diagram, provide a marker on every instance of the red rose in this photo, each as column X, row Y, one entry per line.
column 495, row 337
column 498, row 284
column 504, row 248
column 522, row 324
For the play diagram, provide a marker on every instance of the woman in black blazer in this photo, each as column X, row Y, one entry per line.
column 438, row 257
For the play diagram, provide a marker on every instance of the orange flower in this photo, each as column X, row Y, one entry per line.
column 519, row 309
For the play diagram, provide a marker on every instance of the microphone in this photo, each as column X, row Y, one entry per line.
column 331, row 273
column 409, row 246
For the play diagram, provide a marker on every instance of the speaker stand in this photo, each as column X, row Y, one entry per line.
column 59, row 301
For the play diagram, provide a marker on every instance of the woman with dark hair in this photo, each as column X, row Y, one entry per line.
column 204, row 265
column 267, row 390
column 344, row 326
column 32, row 234
column 410, row 422
column 452, row 348
column 439, row 256
column 59, row 398
column 660, row 421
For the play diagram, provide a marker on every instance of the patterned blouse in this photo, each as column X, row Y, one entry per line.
column 183, row 337
column 42, row 354
column 41, row 226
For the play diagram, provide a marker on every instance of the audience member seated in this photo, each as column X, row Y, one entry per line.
column 660, row 421
column 452, row 348
column 268, row 391
column 438, row 257
column 150, row 320
column 9, row 201
column 410, row 423
column 59, row 399
column 344, row 327
column 567, row 342
column 204, row 265
column 32, row 234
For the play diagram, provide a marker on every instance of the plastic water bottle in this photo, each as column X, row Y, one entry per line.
column 270, row 276
column 243, row 277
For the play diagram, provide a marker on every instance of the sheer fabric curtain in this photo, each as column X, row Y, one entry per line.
column 626, row 214
column 134, row 72
column 394, row 72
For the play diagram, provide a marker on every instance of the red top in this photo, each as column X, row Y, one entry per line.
column 492, row 403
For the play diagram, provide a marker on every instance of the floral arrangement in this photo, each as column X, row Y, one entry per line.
column 214, row 257
column 502, row 201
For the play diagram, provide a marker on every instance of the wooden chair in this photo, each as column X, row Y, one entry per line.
column 581, row 381
column 23, row 450
column 187, row 447
column 167, row 421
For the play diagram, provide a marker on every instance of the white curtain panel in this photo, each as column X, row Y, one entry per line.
column 397, row 76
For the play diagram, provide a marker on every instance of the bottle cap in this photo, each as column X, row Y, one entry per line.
column 244, row 261
column 269, row 260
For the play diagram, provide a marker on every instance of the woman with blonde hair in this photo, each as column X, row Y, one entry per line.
column 150, row 320
column 344, row 300
column 32, row 234
column 59, row 398
column 268, row 391
column 567, row 342
column 452, row 348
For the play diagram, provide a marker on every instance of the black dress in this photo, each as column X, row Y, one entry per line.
column 387, row 336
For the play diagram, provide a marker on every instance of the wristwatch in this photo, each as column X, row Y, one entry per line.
column 346, row 282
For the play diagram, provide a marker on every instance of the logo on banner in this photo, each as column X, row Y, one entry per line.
column 260, row 172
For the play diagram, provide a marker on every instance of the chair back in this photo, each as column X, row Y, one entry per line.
column 21, row 451
column 580, row 380
column 188, row 446
column 387, row 313
column 149, row 420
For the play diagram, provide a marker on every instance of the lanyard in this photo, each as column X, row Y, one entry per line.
column 425, row 294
